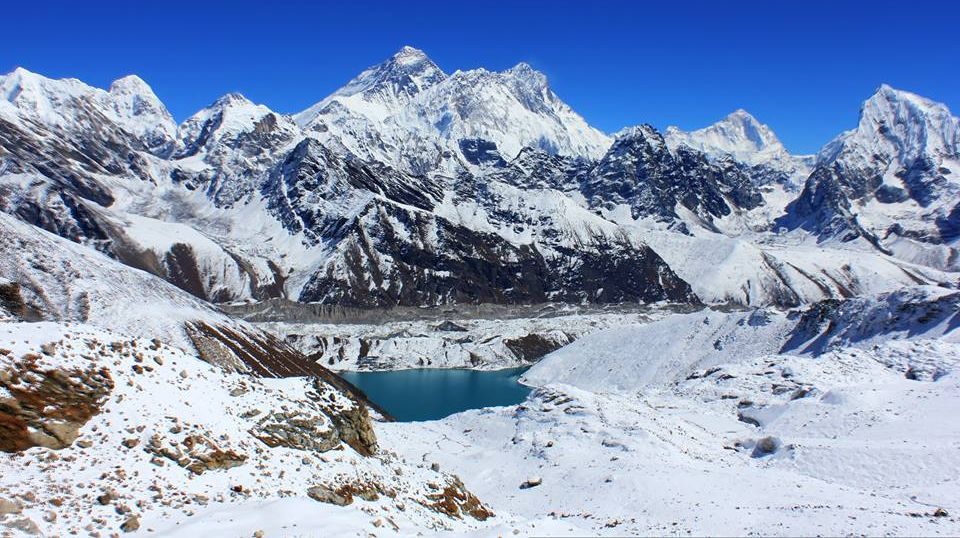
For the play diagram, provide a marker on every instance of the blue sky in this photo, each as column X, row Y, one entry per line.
column 801, row 67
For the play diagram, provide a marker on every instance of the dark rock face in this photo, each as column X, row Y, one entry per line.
column 481, row 152
column 536, row 169
column 399, row 257
column 305, row 191
column 640, row 171
column 533, row 347
column 847, row 180
column 11, row 301
column 824, row 209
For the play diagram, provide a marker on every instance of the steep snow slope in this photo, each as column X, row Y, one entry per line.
column 783, row 270
column 51, row 278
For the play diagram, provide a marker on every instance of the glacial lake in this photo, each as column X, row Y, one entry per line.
column 433, row 393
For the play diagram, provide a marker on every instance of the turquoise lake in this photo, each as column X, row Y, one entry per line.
column 433, row 393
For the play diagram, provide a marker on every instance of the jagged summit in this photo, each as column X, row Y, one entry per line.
column 897, row 172
column 739, row 134
column 901, row 124
column 742, row 137
column 408, row 55
column 386, row 85
column 60, row 103
column 524, row 72
column 409, row 113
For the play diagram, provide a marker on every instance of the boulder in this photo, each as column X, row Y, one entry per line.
column 325, row 494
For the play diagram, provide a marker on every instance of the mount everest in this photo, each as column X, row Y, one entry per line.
column 244, row 251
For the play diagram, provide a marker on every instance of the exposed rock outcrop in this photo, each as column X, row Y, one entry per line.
column 47, row 407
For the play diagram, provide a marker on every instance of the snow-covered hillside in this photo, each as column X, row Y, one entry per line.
column 649, row 356
column 109, row 434
column 765, row 444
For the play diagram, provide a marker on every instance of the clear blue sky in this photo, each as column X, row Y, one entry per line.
column 803, row 67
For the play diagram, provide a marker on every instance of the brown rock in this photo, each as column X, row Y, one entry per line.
column 325, row 494
column 47, row 407
column 455, row 501
column 9, row 507
column 131, row 524
column 25, row 525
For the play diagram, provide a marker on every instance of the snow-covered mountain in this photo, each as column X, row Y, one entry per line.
column 894, row 180
column 514, row 199
column 339, row 228
column 408, row 113
column 796, row 342
column 746, row 140
column 32, row 100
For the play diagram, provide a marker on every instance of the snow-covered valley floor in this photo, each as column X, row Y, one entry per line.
column 850, row 446
column 456, row 339
column 836, row 419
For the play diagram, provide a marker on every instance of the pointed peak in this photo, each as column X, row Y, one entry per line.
column 21, row 72
column 130, row 84
column 644, row 130
column 231, row 99
column 886, row 99
column 409, row 55
column 741, row 115
column 525, row 72
column 889, row 93
column 522, row 67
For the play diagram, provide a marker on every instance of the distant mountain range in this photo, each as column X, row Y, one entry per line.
column 411, row 186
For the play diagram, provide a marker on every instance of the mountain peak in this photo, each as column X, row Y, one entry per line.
column 130, row 84
column 524, row 72
column 888, row 94
column 901, row 124
column 231, row 99
column 742, row 116
column 738, row 134
column 409, row 55
column 405, row 74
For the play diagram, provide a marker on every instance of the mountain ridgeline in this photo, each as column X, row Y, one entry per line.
column 410, row 186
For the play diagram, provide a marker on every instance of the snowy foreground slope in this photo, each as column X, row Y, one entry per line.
column 668, row 428
column 164, row 437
